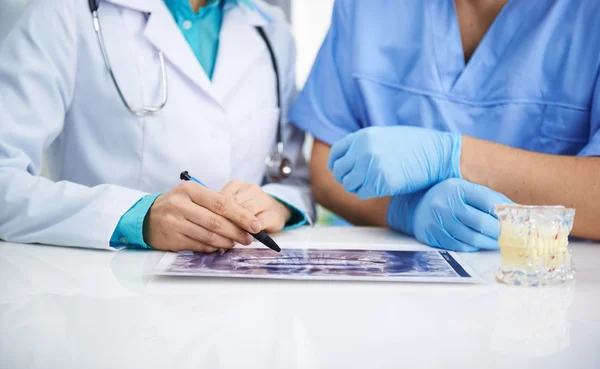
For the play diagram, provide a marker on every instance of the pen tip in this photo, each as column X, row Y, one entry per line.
column 273, row 245
column 263, row 237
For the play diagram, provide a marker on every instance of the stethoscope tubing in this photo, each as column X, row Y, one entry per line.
column 151, row 110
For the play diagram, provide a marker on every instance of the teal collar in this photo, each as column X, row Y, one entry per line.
column 183, row 7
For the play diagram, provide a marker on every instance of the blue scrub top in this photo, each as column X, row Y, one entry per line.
column 530, row 84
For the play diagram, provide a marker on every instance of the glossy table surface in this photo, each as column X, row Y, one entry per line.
column 77, row 308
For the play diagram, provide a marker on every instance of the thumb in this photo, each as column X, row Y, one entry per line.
column 271, row 221
column 483, row 198
column 339, row 149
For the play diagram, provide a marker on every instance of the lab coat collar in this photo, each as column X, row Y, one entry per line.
column 162, row 31
column 145, row 6
column 253, row 13
column 240, row 46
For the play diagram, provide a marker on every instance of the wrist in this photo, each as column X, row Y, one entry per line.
column 454, row 152
column 471, row 148
column 146, row 229
column 284, row 211
column 130, row 231
column 400, row 212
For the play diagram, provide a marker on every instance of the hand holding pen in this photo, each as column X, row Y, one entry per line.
column 251, row 203
column 192, row 217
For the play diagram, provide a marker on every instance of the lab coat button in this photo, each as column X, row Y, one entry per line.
column 187, row 25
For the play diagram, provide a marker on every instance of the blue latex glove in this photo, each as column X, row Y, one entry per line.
column 454, row 215
column 389, row 161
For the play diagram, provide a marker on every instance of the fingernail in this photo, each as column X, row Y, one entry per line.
column 255, row 226
column 221, row 251
column 249, row 239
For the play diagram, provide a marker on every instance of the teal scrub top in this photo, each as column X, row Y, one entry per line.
column 201, row 29
column 532, row 83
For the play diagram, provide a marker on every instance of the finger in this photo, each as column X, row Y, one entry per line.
column 483, row 198
column 479, row 221
column 248, row 193
column 186, row 243
column 342, row 167
column 233, row 187
column 370, row 186
column 271, row 221
column 240, row 216
column 256, row 206
column 473, row 238
column 458, row 230
column 206, row 236
column 443, row 240
column 214, row 222
column 353, row 180
column 339, row 149
column 226, row 207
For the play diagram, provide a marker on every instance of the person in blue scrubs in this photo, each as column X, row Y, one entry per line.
column 428, row 113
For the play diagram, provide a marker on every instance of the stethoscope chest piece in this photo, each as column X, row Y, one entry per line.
column 278, row 167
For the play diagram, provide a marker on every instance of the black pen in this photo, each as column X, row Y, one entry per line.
column 261, row 236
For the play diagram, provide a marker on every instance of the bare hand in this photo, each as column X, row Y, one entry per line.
column 273, row 215
column 191, row 217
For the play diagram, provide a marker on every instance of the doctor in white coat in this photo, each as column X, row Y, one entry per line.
column 114, row 167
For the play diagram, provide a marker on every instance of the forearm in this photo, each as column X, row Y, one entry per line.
column 332, row 195
column 37, row 210
column 537, row 179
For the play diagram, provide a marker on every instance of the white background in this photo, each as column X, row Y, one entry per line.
column 310, row 21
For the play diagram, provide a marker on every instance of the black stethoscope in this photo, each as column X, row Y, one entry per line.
column 278, row 165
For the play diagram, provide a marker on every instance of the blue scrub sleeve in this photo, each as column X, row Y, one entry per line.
column 593, row 146
column 324, row 108
column 130, row 229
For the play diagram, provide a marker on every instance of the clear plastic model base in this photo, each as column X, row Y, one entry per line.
column 533, row 245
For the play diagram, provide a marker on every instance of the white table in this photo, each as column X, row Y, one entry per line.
column 76, row 308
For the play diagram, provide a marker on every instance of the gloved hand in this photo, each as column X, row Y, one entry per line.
column 455, row 215
column 389, row 161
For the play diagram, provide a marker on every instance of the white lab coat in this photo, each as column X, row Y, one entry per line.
column 56, row 96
